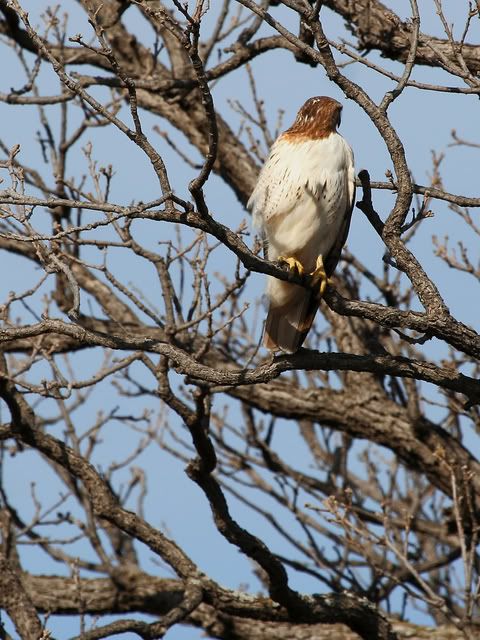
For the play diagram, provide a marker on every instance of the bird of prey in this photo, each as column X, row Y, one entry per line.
column 302, row 204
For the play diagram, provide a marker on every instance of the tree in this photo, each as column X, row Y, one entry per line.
column 347, row 469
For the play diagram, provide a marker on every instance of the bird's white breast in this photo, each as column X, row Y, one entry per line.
column 302, row 195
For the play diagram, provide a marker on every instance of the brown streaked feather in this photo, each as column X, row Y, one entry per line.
column 333, row 257
column 317, row 119
column 287, row 326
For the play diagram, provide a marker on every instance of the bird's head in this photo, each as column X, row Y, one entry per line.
column 317, row 118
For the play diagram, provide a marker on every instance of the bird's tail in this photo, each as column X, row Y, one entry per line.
column 290, row 315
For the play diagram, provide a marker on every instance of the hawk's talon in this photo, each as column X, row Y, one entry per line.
column 293, row 264
column 320, row 280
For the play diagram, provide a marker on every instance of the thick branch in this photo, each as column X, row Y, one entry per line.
column 378, row 27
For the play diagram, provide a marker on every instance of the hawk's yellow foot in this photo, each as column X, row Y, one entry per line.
column 319, row 277
column 293, row 264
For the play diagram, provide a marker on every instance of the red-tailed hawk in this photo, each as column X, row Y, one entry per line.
column 302, row 204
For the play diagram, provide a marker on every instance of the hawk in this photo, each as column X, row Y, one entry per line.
column 302, row 204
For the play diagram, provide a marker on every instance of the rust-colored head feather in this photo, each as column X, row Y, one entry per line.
column 317, row 119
